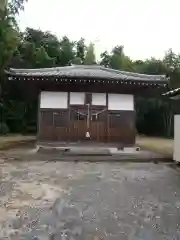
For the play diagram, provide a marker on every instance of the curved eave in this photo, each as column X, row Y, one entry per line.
column 173, row 94
column 87, row 78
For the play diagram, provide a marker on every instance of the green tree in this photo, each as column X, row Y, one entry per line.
column 105, row 59
column 171, row 60
column 150, row 66
column 9, row 41
column 172, row 63
column 119, row 60
column 46, row 40
column 116, row 61
column 67, row 53
column 90, row 55
column 9, row 36
column 80, row 49
column 42, row 59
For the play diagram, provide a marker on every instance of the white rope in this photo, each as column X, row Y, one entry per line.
column 92, row 114
column 80, row 113
column 97, row 113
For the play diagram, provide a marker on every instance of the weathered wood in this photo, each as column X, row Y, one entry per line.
column 108, row 126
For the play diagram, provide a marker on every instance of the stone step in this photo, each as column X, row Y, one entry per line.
column 75, row 151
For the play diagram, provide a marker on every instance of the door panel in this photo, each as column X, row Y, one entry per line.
column 98, row 124
column 53, row 125
column 78, row 123
column 60, row 125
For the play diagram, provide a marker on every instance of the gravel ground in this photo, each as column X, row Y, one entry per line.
column 93, row 201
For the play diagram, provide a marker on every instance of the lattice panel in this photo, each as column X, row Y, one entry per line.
column 114, row 120
column 99, row 115
column 60, row 119
column 46, row 118
column 78, row 114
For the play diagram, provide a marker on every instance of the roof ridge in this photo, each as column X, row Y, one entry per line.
column 135, row 74
column 93, row 71
column 141, row 74
column 112, row 71
column 57, row 68
column 33, row 69
column 87, row 66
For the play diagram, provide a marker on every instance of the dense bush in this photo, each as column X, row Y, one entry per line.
column 4, row 129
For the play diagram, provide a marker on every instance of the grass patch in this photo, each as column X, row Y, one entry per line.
column 163, row 147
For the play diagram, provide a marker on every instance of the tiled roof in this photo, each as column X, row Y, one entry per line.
column 173, row 93
column 86, row 71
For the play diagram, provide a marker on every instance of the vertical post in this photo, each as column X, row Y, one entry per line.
column 107, row 119
column 88, row 115
column 69, row 119
column 88, row 123
column 176, row 155
column 38, row 119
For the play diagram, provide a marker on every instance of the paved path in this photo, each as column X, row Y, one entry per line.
column 93, row 201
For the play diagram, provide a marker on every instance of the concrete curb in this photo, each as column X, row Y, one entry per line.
column 97, row 158
column 68, row 152
column 110, row 159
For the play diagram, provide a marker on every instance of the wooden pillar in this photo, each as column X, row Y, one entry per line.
column 69, row 118
column 107, row 119
column 38, row 118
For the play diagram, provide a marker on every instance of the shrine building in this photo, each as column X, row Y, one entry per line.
column 80, row 102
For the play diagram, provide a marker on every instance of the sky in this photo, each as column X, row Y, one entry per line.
column 146, row 28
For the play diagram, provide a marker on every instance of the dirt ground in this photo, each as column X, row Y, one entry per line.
column 52, row 200
column 160, row 145
column 11, row 141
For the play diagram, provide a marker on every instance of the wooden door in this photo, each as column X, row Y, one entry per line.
column 60, row 125
column 98, row 124
column 78, row 123
column 53, row 125
column 121, row 127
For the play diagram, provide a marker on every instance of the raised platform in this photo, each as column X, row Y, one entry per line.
column 98, row 152
column 83, row 153
column 85, row 148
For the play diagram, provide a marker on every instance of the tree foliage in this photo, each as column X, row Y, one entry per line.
column 80, row 49
column 90, row 55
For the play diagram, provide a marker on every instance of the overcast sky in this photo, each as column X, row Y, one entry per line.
column 145, row 27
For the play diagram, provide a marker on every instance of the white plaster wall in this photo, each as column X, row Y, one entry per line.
column 53, row 100
column 77, row 98
column 120, row 102
column 99, row 99
column 177, row 138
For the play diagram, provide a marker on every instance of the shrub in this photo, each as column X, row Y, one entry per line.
column 4, row 129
